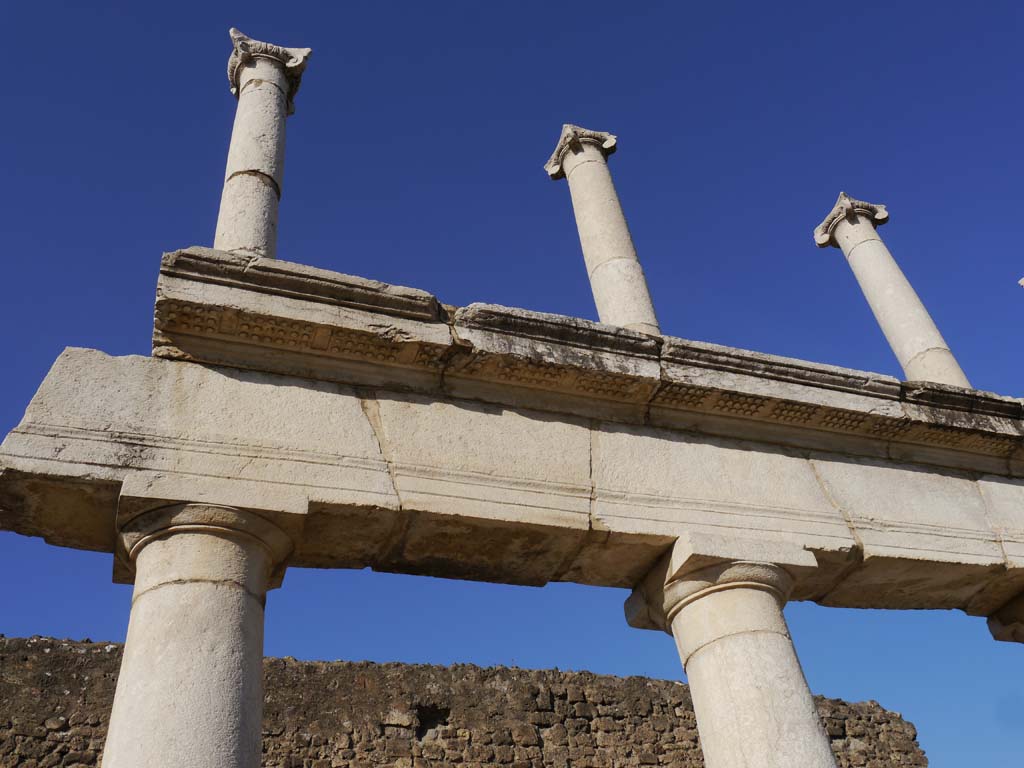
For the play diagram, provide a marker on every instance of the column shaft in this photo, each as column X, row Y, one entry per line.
column 753, row 706
column 616, row 277
column 255, row 169
column 190, row 690
column 922, row 352
column 265, row 78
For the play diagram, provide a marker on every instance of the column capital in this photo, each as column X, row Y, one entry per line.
column 231, row 522
column 844, row 208
column 245, row 49
column 702, row 564
column 574, row 136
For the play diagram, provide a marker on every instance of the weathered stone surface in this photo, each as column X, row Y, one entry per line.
column 190, row 678
column 552, row 362
column 346, row 715
column 269, row 315
column 322, row 325
column 379, row 428
column 429, row 483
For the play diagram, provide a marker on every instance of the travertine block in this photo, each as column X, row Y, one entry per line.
column 920, row 533
column 475, row 460
column 693, row 551
column 653, row 481
column 427, row 483
column 557, row 362
column 245, row 438
column 508, row 445
column 235, row 310
column 287, row 318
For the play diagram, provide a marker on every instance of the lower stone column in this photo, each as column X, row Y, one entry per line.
column 750, row 697
column 190, row 690
column 752, row 702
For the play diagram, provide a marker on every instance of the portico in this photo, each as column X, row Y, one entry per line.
column 295, row 416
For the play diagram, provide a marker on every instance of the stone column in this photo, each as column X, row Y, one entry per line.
column 190, row 690
column 616, row 278
column 264, row 78
column 750, row 697
column 922, row 352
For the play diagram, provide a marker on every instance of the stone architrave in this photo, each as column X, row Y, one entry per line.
column 752, row 703
column 264, row 78
column 616, row 277
column 922, row 352
column 190, row 690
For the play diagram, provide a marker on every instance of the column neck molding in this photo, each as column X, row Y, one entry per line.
column 573, row 136
column 292, row 60
column 214, row 520
column 845, row 208
column 657, row 599
column 767, row 577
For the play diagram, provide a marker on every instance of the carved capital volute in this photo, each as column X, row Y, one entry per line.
column 574, row 137
column 292, row 60
column 846, row 207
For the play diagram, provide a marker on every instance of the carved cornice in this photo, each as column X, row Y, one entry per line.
column 223, row 309
column 573, row 135
column 845, row 207
column 246, row 49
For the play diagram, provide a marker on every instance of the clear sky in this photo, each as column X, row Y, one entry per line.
column 415, row 157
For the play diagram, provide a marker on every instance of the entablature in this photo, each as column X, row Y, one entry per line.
column 273, row 316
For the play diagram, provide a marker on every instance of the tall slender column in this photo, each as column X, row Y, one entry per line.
column 190, row 690
column 616, row 278
column 752, row 703
column 265, row 79
column 922, row 352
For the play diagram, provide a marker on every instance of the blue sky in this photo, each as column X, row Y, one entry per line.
column 415, row 157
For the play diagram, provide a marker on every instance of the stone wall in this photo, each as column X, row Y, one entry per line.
column 55, row 699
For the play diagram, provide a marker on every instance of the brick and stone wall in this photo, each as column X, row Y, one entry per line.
column 55, row 699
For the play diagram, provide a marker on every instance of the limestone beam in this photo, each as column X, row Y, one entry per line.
column 922, row 352
column 1008, row 622
column 190, row 685
column 752, row 703
column 616, row 277
column 264, row 78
